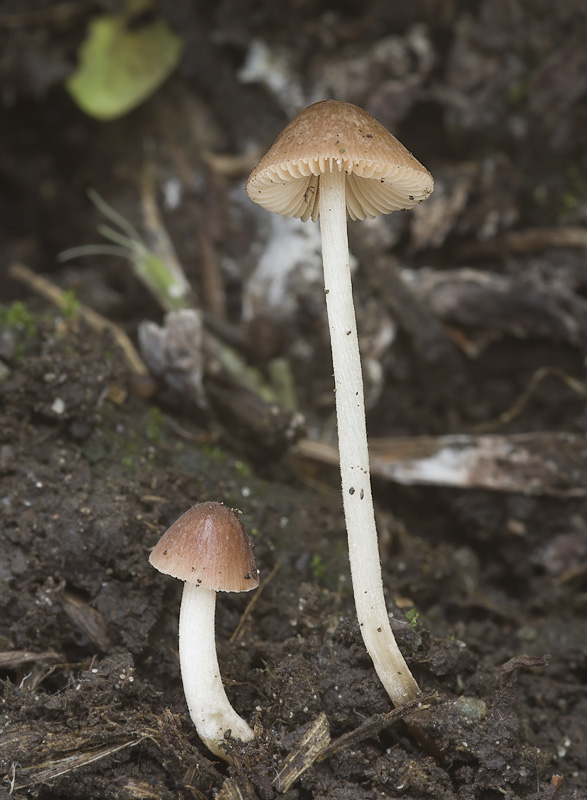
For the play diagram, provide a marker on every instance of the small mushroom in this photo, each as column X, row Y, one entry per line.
column 335, row 159
column 208, row 548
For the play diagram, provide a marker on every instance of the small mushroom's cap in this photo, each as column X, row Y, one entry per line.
column 333, row 135
column 208, row 546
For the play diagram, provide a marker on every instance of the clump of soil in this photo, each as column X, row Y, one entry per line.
column 89, row 629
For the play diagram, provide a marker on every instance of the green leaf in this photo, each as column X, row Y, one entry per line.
column 119, row 67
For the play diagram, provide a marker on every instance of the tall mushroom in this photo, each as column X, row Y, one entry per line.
column 208, row 548
column 335, row 159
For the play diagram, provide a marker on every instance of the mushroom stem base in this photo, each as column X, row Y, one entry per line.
column 352, row 442
column 207, row 702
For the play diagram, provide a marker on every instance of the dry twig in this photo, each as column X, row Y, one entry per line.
column 96, row 321
column 252, row 602
column 373, row 726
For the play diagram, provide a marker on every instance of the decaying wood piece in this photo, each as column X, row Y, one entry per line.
column 265, row 427
column 60, row 763
column 50, row 754
column 141, row 790
column 432, row 343
column 554, row 788
column 229, row 791
column 174, row 352
column 310, row 747
column 527, row 463
column 86, row 619
column 557, row 88
column 524, row 307
column 13, row 659
column 532, row 240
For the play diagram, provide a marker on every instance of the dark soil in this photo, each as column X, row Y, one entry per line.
column 96, row 462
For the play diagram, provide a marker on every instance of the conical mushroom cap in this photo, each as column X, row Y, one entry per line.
column 333, row 135
column 208, row 546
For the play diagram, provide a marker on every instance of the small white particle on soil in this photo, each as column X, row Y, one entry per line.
column 58, row 406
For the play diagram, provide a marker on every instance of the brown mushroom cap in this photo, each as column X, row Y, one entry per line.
column 382, row 175
column 208, row 546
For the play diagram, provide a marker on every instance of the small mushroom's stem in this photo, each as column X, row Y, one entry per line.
column 352, row 443
column 208, row 704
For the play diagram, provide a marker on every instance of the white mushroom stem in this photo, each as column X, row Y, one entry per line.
column 207, row 702
column 352, row 442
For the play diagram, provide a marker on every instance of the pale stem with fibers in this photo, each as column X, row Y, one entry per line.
column 352, row 443
column 207, row 702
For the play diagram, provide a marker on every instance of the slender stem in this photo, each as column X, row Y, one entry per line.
column 352, row 442
column 93, row 250
column 113, row 215
column 133, row 245
column 207, row 702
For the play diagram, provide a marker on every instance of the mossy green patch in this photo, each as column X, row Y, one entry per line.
column 17, row 317
column 155, row 424
column 71, row 305
column 23, row 324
